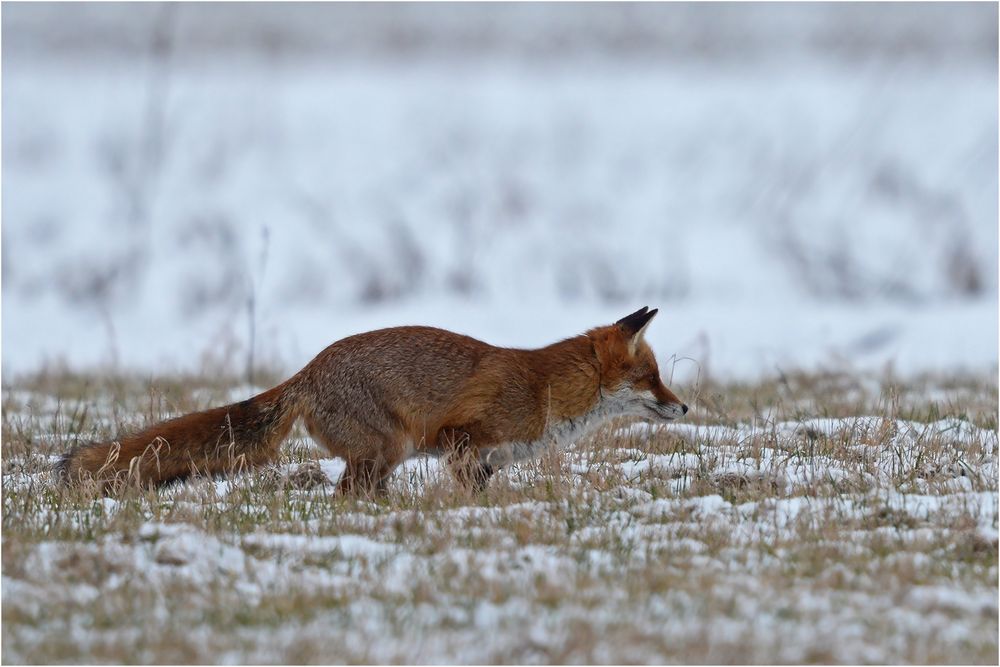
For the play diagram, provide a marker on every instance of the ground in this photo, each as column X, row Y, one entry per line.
column 810, row 518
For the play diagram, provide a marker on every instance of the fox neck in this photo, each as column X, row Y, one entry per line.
column 564, row 432
column 574, row 407
column 560, row 433
column 570, row 377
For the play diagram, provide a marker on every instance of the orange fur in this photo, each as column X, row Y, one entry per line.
column 376, row 398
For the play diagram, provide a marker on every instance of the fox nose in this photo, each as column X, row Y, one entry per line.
column 684, row 408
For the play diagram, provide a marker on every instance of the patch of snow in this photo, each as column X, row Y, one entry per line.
column 784, row 220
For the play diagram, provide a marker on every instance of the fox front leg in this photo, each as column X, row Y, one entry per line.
column 464, row 460
column 471, row 473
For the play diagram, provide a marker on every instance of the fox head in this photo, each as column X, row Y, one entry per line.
column 629, row 374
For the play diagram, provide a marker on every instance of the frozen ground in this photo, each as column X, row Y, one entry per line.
column 808, row 193
column 740, row 536
column 782, row 215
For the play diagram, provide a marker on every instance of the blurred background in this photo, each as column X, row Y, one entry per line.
column 218, row 187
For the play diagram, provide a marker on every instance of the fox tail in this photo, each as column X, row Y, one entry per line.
column 212, row 442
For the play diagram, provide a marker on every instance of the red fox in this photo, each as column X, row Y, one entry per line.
column 378, row 398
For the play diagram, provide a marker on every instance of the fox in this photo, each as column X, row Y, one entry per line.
column 375, row 399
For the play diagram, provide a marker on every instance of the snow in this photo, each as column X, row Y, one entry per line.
column 891, row 446
column 478, row 628
column 802, row 216
column 575, row 567
column 347, row 546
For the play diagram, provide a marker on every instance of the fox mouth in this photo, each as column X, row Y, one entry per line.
column 667, row 411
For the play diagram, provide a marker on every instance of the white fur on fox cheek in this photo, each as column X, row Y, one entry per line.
column 629, row 401
column 635, row 394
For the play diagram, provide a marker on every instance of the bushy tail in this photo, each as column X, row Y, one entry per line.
column 216, row 441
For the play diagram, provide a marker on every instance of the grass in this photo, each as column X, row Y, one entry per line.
column 749, row 532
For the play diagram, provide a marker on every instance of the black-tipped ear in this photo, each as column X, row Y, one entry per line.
column 637, row 321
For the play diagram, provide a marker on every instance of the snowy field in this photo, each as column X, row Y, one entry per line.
column 791, row 211
column 808, row 194
column 739, row 536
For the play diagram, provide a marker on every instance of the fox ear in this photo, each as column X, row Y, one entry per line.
column 634, row 325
